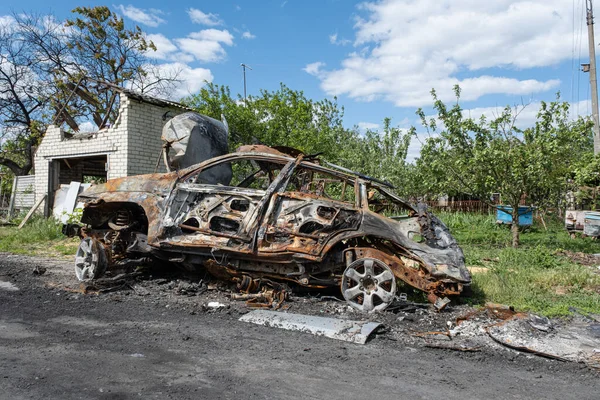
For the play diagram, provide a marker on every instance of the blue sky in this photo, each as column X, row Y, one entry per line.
column 380, row 58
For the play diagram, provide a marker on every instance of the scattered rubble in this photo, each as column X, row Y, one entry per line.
column 493, row 328
column 215, row 305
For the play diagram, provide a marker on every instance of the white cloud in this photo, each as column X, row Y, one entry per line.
column 314, row 68
column 213, row 35
column 202, row 50
column 404, row 48
column 164, row 46
column 248, row 35
column 191, row 79
column 206, row 45
column 147, row 17
column 7, row 22
column 199, row 17
column 365, row 126
column 582, row 108
column 333, row 39
column 88, row 126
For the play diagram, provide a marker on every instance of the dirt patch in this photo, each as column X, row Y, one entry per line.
column 589, row 260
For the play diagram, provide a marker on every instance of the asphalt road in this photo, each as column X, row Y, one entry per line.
column 60, row 345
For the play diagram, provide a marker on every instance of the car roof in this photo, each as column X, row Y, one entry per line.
column 282, row 158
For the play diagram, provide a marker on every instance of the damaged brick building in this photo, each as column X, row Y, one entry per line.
column 130, row 146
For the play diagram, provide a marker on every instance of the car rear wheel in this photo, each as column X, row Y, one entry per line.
column 368, row 285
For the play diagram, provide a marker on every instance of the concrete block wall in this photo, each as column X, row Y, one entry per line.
column 145, row 124
column 111, row 141
column 132, row 144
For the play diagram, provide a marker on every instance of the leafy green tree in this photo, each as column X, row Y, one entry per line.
column 585, row 185
column 286, row 117
column 480, row 157
column 105, row 50
column 382, row 154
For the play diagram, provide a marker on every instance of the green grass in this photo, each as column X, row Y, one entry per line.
column 39, row 236
column 537, row 276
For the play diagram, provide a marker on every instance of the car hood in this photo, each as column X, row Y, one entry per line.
column 440, row 253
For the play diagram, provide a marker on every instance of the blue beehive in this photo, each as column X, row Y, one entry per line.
column 504, row 215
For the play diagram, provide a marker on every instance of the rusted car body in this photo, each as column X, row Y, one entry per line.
column 283, row 217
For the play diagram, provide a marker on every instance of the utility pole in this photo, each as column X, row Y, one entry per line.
column 244, row 66
column 592, row 70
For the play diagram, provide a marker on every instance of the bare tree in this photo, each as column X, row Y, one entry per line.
column 53, row 72
column 24, row 97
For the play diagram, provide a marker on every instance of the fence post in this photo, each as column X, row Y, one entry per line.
column 11, row 205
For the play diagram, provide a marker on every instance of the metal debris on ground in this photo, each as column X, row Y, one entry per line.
column 266, row 298
column 260, row 293
column 140, row 290
column 441, row 303
column 190, row 288
column 577, row 341
column 458, row 347
column 346, row 330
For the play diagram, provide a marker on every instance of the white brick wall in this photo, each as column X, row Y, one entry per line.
column 132, row 144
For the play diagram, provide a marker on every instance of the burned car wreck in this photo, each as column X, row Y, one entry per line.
column 261, row 213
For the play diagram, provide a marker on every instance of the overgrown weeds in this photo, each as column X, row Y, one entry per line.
column 40, row 236
column 537, row 276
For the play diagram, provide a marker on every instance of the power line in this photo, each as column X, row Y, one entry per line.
column 244, row 66
column 592, row 70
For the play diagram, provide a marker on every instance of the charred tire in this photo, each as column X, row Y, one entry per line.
column 90, row 260
column 368, row 285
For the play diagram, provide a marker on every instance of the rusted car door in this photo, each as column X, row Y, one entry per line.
column 212, row 216
column 218, row 216
column 303, row 218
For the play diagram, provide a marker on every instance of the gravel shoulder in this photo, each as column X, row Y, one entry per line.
column 161, row 342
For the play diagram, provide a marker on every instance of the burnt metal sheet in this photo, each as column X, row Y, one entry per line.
column 340, row 329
